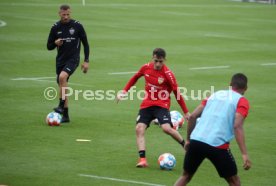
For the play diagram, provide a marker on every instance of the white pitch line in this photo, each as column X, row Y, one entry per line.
column 268, row 64
column 78, row 84
column 214, row 35
column 83, row 140
column 208, row 68
column 2, row 23
column 32, row 78
column 119, row 180
column 44, row 79
column 261, row 20
column 120, row 73
column 180, row 13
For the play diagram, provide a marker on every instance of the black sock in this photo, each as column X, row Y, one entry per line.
column 142, row 153
column 182, row 143
column 61, row 103
column 65, row 112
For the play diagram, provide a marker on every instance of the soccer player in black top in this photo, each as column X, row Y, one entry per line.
column 66, row 35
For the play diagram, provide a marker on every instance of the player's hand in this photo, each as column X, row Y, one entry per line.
column 246, row 162
column 59, row 42
column 187, row 116
column 84, row 67
column 120, row 95
column 187, row 145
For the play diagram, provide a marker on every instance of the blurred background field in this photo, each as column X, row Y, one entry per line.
column 233, row 36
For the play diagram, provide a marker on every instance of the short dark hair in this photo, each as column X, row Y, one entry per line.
column 159, row 52
column 64, row 7
column 239, row 81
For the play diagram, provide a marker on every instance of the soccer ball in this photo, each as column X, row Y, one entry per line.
column 166, row 161
column 177, row 119
column 155, row 121
column 53, row 119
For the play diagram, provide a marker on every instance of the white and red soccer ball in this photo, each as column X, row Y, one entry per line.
column 166, row 161
column 176, row 118
column 53, row 119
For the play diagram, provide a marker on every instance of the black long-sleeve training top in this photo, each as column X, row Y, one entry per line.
column 72, row 33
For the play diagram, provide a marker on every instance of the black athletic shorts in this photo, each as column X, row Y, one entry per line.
column 69, row 66
column 222, row 159
column 148, row 114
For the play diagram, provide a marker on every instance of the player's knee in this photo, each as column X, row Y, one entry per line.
column 140, row 129
column 63, row 77
column 233, row 180
column 167, row 129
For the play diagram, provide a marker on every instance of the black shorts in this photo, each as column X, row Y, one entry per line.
column 148, row 114
column 222, row 159
column 69, row 66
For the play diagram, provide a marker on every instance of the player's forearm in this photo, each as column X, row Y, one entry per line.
column 239, row 135
column 51, row 45
column 86, row 53
column 191, row 126
column 86, row 49
column 51, row 40
column 192, row 120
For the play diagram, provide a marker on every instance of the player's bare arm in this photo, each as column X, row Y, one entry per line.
column 192, row 122
column 239, row 134
column 187, row 116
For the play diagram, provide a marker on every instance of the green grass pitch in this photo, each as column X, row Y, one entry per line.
column 122, row 35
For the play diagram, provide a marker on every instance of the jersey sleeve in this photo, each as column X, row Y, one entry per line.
column 243, row 107
column 204, row 102
column 83, row 38
column 51, row 39
column 171, row 79
column 134, row 78
column 179, row 98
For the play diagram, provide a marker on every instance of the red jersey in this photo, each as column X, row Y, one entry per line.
column 158, row 86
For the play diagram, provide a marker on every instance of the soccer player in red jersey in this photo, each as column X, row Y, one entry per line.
column 159, row 83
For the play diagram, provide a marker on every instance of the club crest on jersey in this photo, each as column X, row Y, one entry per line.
column 160, row 80
column 72, row 31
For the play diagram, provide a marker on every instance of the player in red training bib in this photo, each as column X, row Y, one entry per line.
column 159, row 83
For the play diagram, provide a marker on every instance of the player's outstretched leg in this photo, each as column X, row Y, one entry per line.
column 167, row 128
